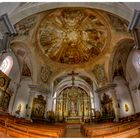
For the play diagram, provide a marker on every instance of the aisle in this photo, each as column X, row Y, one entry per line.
column 73, row 131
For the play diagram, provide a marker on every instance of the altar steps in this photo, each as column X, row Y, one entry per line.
column 73, row 131
column 74, row 125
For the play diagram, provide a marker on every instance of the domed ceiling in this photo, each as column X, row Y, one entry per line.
column 73, row 35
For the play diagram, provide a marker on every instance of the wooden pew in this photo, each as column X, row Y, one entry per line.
column 13, row 127
column 125, row 134
column 48, row 132
column 101, row 131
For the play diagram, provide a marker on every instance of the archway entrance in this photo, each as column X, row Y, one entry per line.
column 73, row 102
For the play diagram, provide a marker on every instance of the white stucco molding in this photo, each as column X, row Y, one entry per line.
column 39, row 89
column 68, row 83
column 105, row 88
column 114, row 8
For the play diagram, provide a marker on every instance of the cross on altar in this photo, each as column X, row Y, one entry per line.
column 72, row 74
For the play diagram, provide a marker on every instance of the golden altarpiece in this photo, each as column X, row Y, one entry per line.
column 72, row 102
column 5, row 95
column 38, row 110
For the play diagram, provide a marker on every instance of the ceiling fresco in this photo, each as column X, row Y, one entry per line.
column 75, row 39
column 73, row 35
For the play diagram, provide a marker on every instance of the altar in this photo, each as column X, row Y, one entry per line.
column 72, row 105
column 76, row 119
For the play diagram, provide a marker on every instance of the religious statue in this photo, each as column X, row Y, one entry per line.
column 73, row 108
column 126, row 108
column 18, row 110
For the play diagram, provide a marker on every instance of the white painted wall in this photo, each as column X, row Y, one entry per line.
column 123, row 97
column 50, row 102
column 14, row 74
column 133, row 76
column 22, row 96
column 8, row 7
column 97, row 104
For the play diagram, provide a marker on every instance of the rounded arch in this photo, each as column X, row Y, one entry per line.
column 6, row 65
column 21, row 97
column 133, row 76
column 133, row 66
column 120, row 52
column 79, row 83
column 67, row 82
column 114, row 8
column 14, row 71
column 124, row 97
column 81, row 73
column 25, row 56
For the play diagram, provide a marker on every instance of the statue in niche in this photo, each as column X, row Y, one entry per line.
column 73, row 108
column 126, row 107
column 18, row 110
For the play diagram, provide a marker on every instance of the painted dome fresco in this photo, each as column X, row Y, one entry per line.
column 73, row 35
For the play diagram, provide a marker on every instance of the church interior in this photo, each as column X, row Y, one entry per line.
column 69, row 70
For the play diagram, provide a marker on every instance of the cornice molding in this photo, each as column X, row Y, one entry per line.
column 38, row 88
column 105, row 88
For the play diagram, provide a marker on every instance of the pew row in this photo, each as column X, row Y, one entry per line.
column 111, row 130
column 11, row 128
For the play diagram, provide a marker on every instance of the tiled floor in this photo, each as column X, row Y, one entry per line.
column 73, row 131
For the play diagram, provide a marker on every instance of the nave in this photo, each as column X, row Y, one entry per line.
column 11, row 127
column 69, row 70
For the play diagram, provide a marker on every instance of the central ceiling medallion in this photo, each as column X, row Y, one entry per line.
column 72, row 35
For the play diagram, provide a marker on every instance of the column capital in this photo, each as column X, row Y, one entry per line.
column 106, row 88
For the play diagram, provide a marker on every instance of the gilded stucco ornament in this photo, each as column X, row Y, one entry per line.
column 72, row 35
column 45, row 72
column 99, row 73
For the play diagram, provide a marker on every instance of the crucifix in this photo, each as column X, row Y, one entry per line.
column 73, row 78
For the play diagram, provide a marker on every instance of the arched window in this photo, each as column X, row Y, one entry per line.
column 6, row 65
